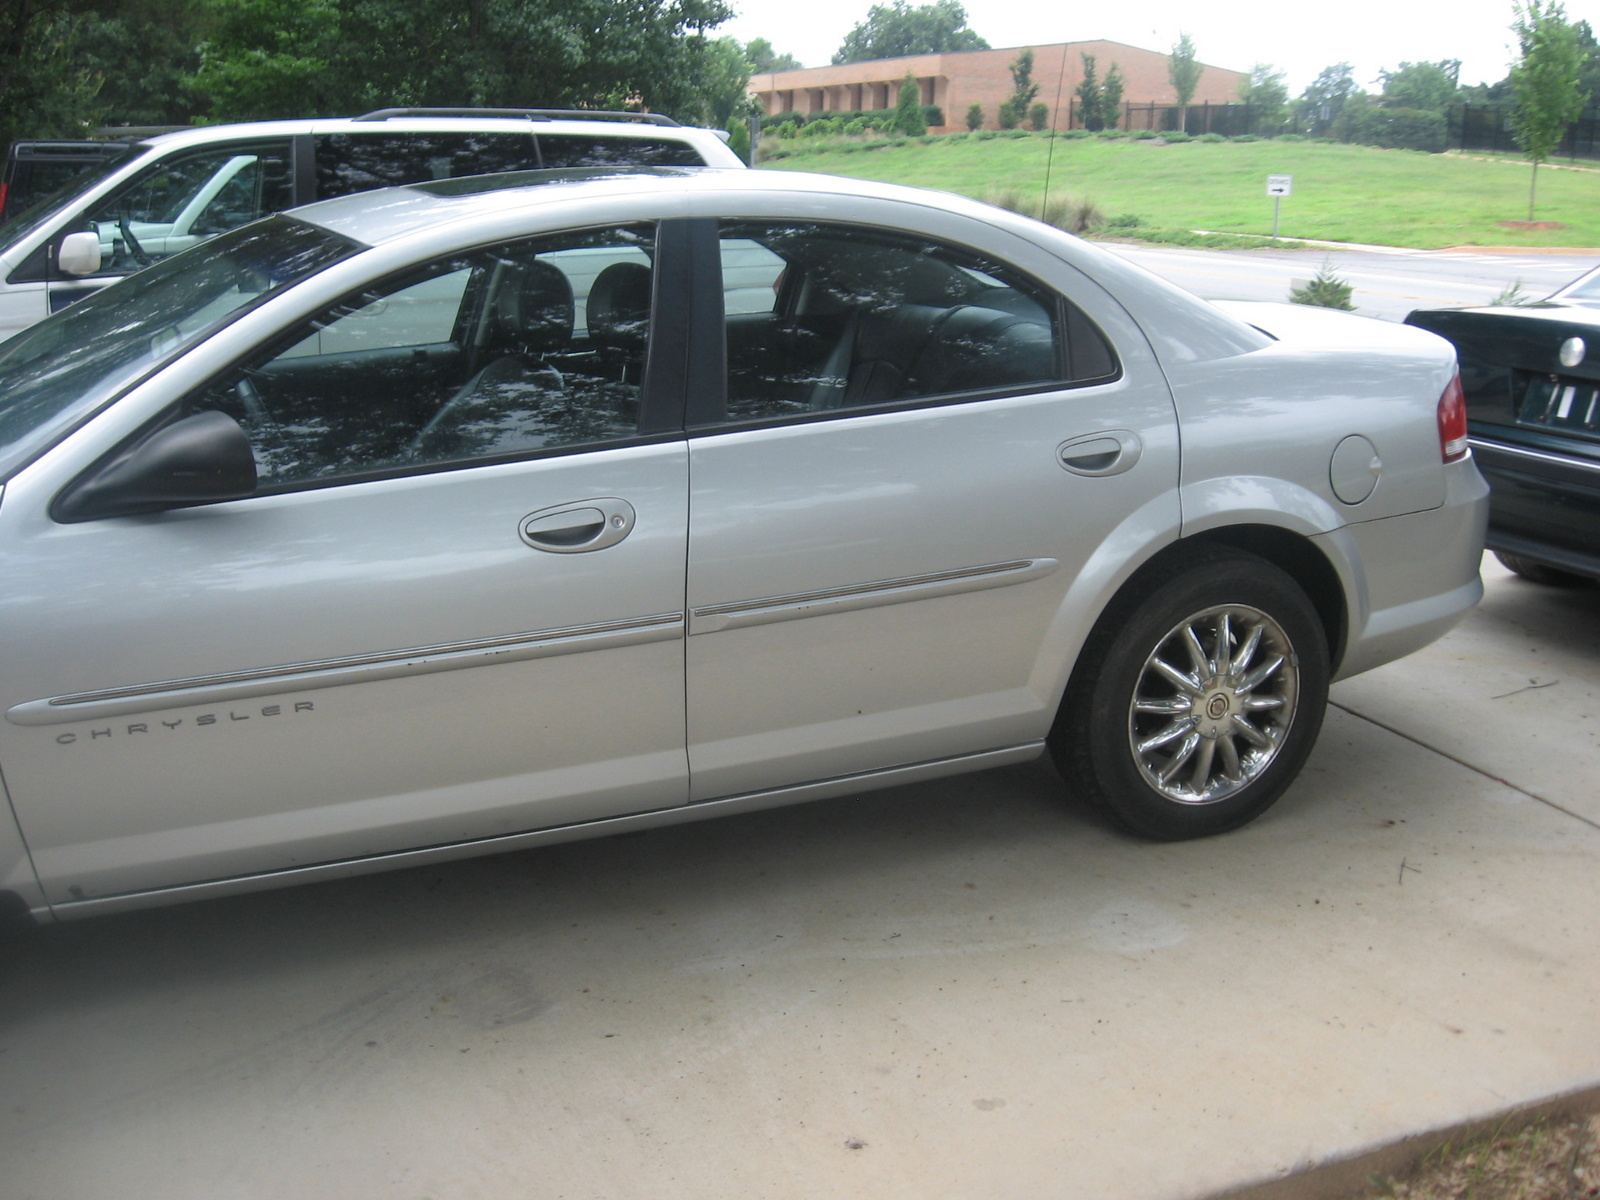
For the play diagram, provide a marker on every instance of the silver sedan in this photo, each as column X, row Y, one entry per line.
column 461, row 517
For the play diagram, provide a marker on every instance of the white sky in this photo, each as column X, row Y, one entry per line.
column 1295, row 37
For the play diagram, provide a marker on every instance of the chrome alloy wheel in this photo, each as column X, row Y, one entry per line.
column 1213, row 704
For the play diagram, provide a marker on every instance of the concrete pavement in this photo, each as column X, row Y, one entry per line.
column 961, row 990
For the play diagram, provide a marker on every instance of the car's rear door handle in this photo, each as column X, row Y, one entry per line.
column 1110, row 452
column 578, row 526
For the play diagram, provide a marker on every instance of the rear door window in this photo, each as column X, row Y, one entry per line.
column 359, row 162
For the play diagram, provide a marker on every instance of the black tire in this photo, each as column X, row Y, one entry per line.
column 1538, row 572
column 1261, row 721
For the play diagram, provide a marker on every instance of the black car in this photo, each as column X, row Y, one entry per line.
column 1531, row 375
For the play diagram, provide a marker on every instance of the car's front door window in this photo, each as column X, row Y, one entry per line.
column 183, row 200
column 528, row 348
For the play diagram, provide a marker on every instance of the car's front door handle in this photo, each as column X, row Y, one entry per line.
column 1110, row 452
column 579, row 526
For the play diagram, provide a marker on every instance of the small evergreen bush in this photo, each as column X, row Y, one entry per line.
column 1327, row 290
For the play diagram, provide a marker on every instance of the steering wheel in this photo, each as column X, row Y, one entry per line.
column 254, row 407
column 126, row 229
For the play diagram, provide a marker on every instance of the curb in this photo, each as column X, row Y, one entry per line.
column 1347, row 1178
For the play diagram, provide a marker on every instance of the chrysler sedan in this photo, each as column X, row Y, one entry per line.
column 462, row 517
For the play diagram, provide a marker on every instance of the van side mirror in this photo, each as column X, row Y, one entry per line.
column 79, row 254
column 201, row 459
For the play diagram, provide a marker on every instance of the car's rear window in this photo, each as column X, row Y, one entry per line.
column 64, row 368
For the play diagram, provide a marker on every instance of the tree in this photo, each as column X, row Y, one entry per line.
column 44, row 90
column 1544, row 80
column 724, row 84
column 974, row 117
column 763, row 58
column 1111, row 98
column 1321, row 103
column 500, row 53
column 1024, row 90
column 1425, row 86
column 1088, row 93
column 1184, row 72
column 896, row 29
column 1268, row 99
column 908, row 118
column 1039, row 117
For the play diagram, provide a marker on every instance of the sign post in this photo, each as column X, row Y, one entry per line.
column 1278, row 186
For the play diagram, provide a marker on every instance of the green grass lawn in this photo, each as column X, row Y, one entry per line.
column 1341, row 193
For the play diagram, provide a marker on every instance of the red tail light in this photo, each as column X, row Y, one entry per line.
column 1453, row 422
column 4, row 188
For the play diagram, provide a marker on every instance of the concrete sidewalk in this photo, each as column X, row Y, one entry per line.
column 960, row 990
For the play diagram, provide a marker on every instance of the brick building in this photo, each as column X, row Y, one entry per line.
column 957, row 81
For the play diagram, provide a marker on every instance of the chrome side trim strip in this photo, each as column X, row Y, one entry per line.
column 336, row 672
column 710, row 618
column 959, row 764
column 1577, row 464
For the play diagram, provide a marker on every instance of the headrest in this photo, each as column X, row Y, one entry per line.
column 619, row 305
column 535, row 312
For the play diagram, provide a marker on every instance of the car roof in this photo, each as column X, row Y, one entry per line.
column 206, row 135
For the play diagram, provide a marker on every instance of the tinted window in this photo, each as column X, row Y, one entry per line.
column 64, row 367
column 823, row 317
column 359, row 162
column 181, row 201
column 563, row 150
column 533, row 347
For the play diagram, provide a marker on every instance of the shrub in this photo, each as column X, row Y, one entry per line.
column 1145, row 135
column 1327, row 290
column 1244, row 137
column 1111, row 135
column 787, row 129
column 1210, row 137
column 858, row 126
column 1015, row 133
column 987, row 135
column 1178, row 135
column 739, row 139
column 1289, row 137
column 1124, row 221
column 1039, row 116
column 975, row 118
column 1512, row 296
column 1393, row 128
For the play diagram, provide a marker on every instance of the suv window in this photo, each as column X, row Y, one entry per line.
column 359, row 162
column 826, row 317
column 183, row 200
column 569, row 150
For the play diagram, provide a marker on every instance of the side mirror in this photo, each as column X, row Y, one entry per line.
column 79, row 253
column 199, row 460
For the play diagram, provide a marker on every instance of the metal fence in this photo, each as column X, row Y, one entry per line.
column 1487, row 127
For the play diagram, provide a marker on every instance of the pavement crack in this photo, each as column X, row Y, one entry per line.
column 1461, row 762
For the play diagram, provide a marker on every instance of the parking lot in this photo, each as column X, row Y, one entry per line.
column 961, row 989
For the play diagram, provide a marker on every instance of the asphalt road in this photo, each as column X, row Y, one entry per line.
column 1388, row 283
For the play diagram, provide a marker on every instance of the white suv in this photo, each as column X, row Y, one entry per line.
column 173, row 191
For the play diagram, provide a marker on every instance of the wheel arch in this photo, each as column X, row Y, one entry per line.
column 1292, row 553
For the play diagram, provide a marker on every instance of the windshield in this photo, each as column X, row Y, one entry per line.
column 1586, row 290
column 61, row 370
column 29, row 219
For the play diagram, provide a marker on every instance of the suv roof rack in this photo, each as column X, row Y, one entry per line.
column 531, row 114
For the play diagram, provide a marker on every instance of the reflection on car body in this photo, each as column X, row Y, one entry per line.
column 465, row 516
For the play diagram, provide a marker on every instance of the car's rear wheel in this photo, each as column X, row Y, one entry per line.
column 1195, row 705
column 1538, row 572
